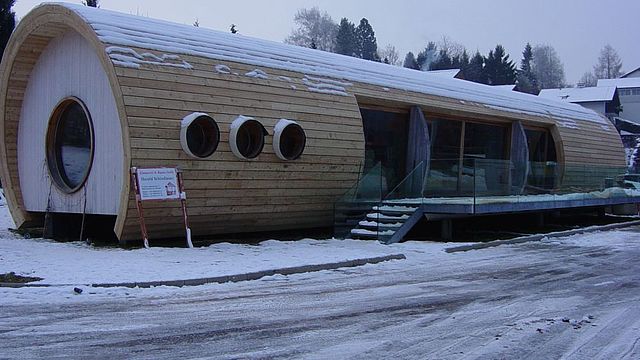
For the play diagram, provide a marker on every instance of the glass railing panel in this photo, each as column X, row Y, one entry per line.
column 356, row 204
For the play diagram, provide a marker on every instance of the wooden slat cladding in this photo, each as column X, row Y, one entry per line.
column 227, row 194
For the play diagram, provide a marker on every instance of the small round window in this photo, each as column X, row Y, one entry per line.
column 246, row 137
column 70, row 145
column 289, row 140
column 199, row 135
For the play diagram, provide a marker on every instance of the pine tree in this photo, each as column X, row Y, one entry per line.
column 475, row 71
column 366, row 40
column 346, row 43
column 443, row 61
column 527, row 81
column 7, row 23
column 410, row 61
column 427, row 56
column 462, row 62
column 609, row 65
column 498, row 68
column 91, row 3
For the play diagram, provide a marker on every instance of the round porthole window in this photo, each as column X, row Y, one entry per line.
column 289, row 140
column 246, row 137
column 199, row 135
column 69, row 145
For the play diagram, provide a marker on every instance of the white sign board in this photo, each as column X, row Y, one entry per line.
column 158, row 184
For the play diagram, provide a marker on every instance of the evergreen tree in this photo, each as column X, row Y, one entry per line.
column 91, row 3
column 7, row 23
column 498, row 68
column 366, row 40
column 346, row 42
column 609, row 65
column 461, row 62
column 427, row 56
column 527, row 81
column 475, row 70
column 410, row 61
column 443, row 61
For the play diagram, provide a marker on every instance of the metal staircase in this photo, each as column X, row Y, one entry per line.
column 363, row 213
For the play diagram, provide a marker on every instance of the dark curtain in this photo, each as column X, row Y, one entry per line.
column 519, row 158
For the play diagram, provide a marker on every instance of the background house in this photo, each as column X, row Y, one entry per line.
column 629, row 91
column 604, row 100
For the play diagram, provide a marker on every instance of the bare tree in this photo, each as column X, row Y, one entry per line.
column 588, row 79
column 609, row 65
column 390, row 55
column 452, row 48
column 547, row 67
column 313, row 29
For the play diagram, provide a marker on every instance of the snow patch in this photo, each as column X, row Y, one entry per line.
column 568, row 124
column 257, row 74
column 285, row 78
column 222, row 69
column 325, row 86
column 130, row 58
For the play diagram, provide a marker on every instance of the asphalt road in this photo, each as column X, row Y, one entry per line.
column 544, row 300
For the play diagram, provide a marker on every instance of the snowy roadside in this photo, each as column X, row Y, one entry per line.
column 77, row 263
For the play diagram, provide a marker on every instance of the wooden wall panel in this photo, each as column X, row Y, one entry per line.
column 237, row 195
column 70, row 67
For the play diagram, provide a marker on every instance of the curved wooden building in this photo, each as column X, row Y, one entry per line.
column 86, row 94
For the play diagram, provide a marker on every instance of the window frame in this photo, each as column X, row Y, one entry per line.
column 186, row 123
column 52, row 155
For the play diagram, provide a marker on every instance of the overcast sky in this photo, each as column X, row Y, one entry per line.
column 577, row 29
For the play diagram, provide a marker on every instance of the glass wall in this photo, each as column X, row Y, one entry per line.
column 543, row 159
column 481, row 145
column 385, row 136
column 445, row 157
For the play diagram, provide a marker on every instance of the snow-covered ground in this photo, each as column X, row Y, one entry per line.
column 575, row 297
column 77, row 263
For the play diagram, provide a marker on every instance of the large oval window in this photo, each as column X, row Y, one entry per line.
column 289, row 140
column 70, row 145
column 199, row 135
column 246, row 137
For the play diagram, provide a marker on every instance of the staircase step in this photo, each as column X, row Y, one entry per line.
column 375, row 224
column 395, row 209
column 383, row 217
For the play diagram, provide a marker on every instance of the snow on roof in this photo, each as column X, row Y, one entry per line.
column 450, row 73
column 580, row 95
column 623, row 83
column 505, row 87
column 629, row 72
column 124, row 30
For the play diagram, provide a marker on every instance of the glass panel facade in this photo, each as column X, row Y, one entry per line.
column 543, row 160
column 482, row 143
column 385, row 136
column 445, row 156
